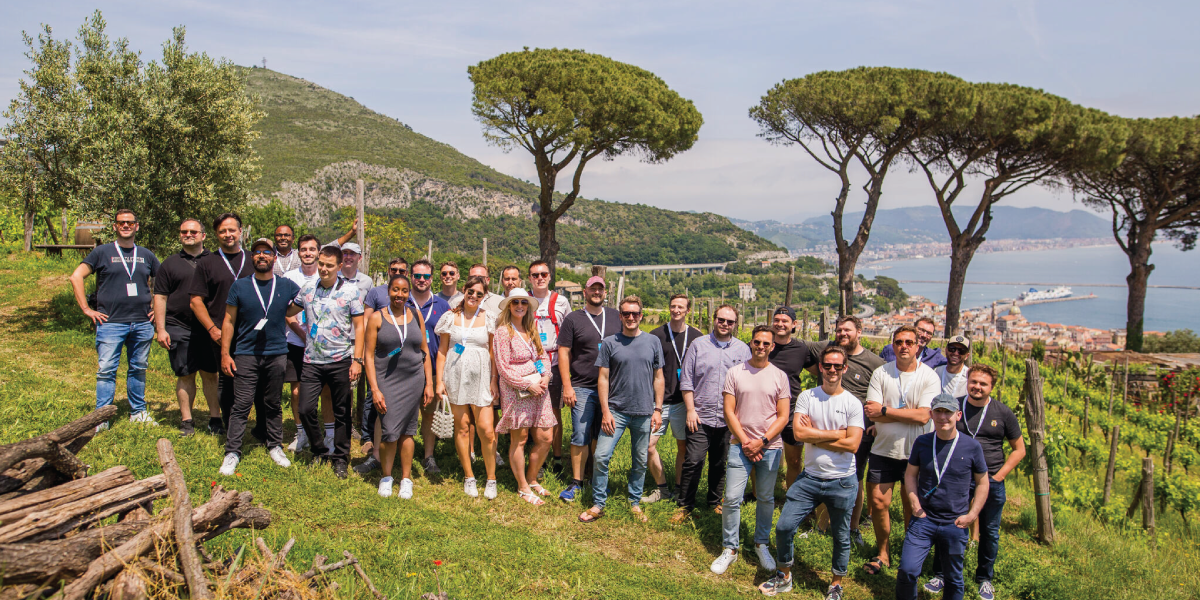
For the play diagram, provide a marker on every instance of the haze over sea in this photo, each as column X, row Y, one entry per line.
column 1166, row 309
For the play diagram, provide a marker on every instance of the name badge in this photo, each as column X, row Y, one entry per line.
column 459, row 347
column 545, row 338
column 131, row 289
column 426, row 336
column 541, row 368
column 600, row 345
column 261, row 323
column 678, row 373
column 395, row 352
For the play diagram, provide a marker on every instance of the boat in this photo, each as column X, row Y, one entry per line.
column 1057, row 293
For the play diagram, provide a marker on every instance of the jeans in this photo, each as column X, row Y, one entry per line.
column 737, row 474
column 639, row 442
column 989, row 533
column 803, row 497
column 951, row 543
column 710, row 441
column 312, row 378
column 136, row 338
column 257, row 379
column 585, row 417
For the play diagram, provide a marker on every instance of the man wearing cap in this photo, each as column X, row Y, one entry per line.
column 286, row 257
column 254, row 353
column 930, row 356
column 579, row 341
column 431, row 308
column 941, row 468
column 675, row 336
column 953, row 374
column 792, row 357
column 351, row 255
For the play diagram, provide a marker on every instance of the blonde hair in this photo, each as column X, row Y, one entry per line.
column 527, row 322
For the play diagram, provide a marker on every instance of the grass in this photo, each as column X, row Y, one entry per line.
column 503, row 548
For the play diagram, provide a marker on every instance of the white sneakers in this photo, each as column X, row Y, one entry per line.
column 489, row 490
column 499, row 460
column 722, row 563
column 102, row 427
column 300, row 443
column 142, row 417
column 279, row 457
column 229, row 465
column 406, row 489
column 765, row 560
column 385, row 487
column 469, row 487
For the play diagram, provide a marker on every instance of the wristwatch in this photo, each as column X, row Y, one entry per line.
column 358, row 360
column 765, row 441
column 883, row 412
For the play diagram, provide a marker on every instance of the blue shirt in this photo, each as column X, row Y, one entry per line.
column 631, row 363
column 431, row 311
column 952, row 497
column 270, row 340
column 377, row 298
column 703, row 373
column 930, row 356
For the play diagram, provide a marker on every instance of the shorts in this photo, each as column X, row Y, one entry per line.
column 184, row 362
column 789, row 435
column 886, row 470
column 207, row 352
column 675, row 416
column 556, row 392
column 860, row 456
column 585, row 417
column 295, row 364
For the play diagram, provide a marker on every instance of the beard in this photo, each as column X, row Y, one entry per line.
column 263, row 267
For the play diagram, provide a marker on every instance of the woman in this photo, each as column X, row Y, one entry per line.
column 524, row 368
column 401, row 378
column 464, row 376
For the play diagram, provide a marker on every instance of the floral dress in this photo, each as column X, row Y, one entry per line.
column 514, row 361
column 468, row 369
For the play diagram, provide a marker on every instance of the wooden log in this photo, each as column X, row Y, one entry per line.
column 1147, row 494
column 128, row 585
column 51, row 446
column 1035, row 418
column 1115, row 436
column 35, row 474
column 59, row 520
column 185, row 541
column 13, row 509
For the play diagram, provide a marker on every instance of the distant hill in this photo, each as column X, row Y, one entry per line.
column 316, row 142
column 924, row 224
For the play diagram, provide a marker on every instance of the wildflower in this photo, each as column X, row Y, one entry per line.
column 437, row 562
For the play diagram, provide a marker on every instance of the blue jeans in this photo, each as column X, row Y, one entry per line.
column 585, row 417
column 803, row 497
column 639, row 442
column 989, row 533
column 737, row 474
column 921, row 536
column 136, row 338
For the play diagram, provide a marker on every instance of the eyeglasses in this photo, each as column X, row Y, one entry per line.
column 539, row 275
column 956, row 349
column 474, row 294
column 925, row 332
column 832, row 366
column 263, row 252
column 424, row 276
column 904, row 342
column 449, row 273
column 187, row 232
column 126, row 223
column 630, row 313
column 721, row 321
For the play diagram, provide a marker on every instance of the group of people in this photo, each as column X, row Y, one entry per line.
column 301, row 313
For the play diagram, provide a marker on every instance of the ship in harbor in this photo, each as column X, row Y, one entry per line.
column 1057, row 293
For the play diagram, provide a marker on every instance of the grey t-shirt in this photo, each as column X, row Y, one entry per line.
column 631, row 363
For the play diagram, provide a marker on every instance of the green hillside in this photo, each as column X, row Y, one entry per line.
column 310, row 129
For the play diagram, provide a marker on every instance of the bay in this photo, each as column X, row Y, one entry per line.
column 1166, row 309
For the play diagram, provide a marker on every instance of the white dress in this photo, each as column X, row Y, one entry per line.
column 468, row 374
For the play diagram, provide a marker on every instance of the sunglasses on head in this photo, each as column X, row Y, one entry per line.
column 721, row 321
column 832, row 366
column 631, row 313
column 904, row 342
column 425, row 276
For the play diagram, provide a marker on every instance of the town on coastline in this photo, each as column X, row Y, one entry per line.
column 883, row 252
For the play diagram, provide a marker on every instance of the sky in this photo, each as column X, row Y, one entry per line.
column 409, row 61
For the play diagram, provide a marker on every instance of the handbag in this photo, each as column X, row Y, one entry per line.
column 443, row 420
column 531, row 378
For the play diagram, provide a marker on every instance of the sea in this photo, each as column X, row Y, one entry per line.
column 1166, row 309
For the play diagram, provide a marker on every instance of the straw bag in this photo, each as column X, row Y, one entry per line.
column 443, row 420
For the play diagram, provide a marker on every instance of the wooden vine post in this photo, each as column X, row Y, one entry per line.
column 1111, row 381
column 1125, row 393
column 1115, row 436
column 1035, row 420
column 787, row 296
column 1145, row 496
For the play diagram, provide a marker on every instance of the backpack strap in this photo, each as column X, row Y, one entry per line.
column 553, row 313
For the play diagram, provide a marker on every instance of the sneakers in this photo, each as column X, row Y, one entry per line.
column 216, row 427
column 142, row 417
column 187, row 428
column 935, row 585
column 856, row 539
column 721, row 564
column 569, row 494
column 229, row 465
column 499, row 460
column 765, row 560
column 430, row 465
column 385, row 487
column 279, row 457
column 406, row 489
column 102, row 427
column 339, row 469
column 367, row 466
column 472, row 457
column 489, row 490
column 834, row 593
column 657, row 495
column 300, row 443
column 986, row 591
column 777, row 584
column 469, row 487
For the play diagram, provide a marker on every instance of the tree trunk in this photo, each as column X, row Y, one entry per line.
column 548, row 244
column 962, row 250
column 1137, row 280
column 29, row 216
column 846, row 264
column 1035, row 420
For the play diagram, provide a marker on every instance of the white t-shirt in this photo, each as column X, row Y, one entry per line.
column 894, row 389
column 954, row 384
column 546, row 328
column 829, row 413
column 302, row 280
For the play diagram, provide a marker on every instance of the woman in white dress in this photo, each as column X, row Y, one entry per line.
column 465, row 377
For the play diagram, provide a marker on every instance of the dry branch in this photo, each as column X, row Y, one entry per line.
column 189, row 559
column 55, row 522
column 14, row 509
column 363, row 574
column 52, row 446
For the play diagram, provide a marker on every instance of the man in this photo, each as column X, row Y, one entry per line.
column 286, row 257
column 122, row 315
column 792, row 357
column 675, row 336
column 351, row 255
column 552, row 310
column 214, row 275
column 938, row 480
column 898, row 401
column 448, row 272
column 510, row 278
column 702, row 380
column 254, row 353
column 333, row 354
column 431, row 308
column 953, row 374
column 376, row 299
column 989, row 423
column 630, row 388
column 490, row 302
column 756, row 404
column 930, row 356
column 174, row 321
column 307, row 248
column 829, row 421
column 579, row 341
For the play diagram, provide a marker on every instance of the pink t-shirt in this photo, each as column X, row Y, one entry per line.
column 756, row 393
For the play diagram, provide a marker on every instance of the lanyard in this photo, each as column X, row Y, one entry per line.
column 603, row 322
column 982, row 416
column 686, row 331
column 402, row 333
column 899, row 386
column 229, row 266
column 128, row 271
column 266, row 306
column 429, row 313
column 949, row 457
column 473, row 317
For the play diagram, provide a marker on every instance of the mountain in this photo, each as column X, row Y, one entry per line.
column 919, row 224
column 316, row 142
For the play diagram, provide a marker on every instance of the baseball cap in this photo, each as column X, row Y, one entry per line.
column 785, row 310
column 945, row 401
column 594, row 280
column 351, row 246
column 960, row 339
column 262, row 242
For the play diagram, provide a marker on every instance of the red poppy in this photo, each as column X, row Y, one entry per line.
column 437, row 562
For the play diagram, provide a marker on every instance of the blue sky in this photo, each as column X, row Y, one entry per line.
column 409, row 61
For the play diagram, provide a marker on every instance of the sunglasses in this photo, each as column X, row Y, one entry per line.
column 397, row 271
column 904, row 343
column 187, row 232
column 759, row 343
column 449, row 273
column 630, row 313
column 957, row 350
column 519, row 302
column 832, row 366
column 424, row 276
column 263, row 252
column 474, row 294
column 721, row 321
column 126, row 223
column 539, row 275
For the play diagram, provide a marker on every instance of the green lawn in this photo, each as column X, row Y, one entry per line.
column 503, row 548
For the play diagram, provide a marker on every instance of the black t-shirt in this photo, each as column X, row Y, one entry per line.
column 951, row 498
column 174, row 280
column 213, row 277
column 1000, row 424
column 671, row 365
column 112, row 280
column 271, row 340
column 579, row 333
column 792, row 358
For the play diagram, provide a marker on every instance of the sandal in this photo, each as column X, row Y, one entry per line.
column 590, row 515
column 876, row 566
column 638, row 513
column 531, row 498
column 537, row 487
